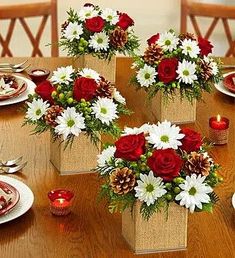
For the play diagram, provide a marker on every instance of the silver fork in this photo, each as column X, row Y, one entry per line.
column 14, row 66
column 10, row 162
column 14, row 70
column 12, row 170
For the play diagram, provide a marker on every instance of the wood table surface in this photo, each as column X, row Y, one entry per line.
column 90, row 231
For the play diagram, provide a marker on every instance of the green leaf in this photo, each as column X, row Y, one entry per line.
column 207, row 207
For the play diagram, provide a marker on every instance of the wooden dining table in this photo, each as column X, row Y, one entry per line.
column 90, row 231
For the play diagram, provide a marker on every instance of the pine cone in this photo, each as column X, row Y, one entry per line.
column 104, row 89
column 187, row 35
column 206, row 70
column 153, row 54
column 52, row 114
column 198, row 164
column 122, row 180
column 118, row 38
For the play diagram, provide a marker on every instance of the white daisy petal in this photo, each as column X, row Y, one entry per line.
column 186, row 72
column 194, row 192
column 110, row 15
column 105, row 156
column 99, row 41
column 190, row 47
column 73, row 31
column 36, row 109
column 90, row 73
column 118, row 97
column 149, row 188
column 168, row 41
column 146, row 76
column 69, row 122
column 87, row 12
column 62, row 75
column 105, row 110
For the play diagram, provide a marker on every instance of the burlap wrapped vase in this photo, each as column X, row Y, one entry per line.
column 159, row 233
column 79, row 158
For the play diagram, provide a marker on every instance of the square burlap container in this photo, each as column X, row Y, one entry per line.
column 176, row 111
column 80, row 158
column 105, row 68
column 158, row 234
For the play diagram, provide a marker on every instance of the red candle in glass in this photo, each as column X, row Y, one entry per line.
column 218, row 129
column 60, row 201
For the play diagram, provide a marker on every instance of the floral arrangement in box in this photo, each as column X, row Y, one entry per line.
column 100, row 32
column 75, row 101
column 173, row 63
column 157, row 165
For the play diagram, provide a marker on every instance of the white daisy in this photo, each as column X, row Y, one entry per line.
column 164, row 136
column 146, row 76
column 99, row 41
column 62, row 75
column 186, row 72
column 106, row 156
column 145, row 128
column 190, row 47
column 87, row 12
column 110, row 15
column 118, row 97
column 105, row 110
column 73, row 31
column 69, row 122
column 195, row 192
column 168, row 41
column 89, row 73
column 149, row 188
column 36, row 109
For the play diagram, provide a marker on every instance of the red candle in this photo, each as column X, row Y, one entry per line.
column 218, row 130
column 60, row 201
column 219, row 123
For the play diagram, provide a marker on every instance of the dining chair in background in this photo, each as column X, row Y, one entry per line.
column 193, row 10
column 20, row 13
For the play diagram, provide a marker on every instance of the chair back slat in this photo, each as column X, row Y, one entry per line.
column 216, row 12
column 20, row 13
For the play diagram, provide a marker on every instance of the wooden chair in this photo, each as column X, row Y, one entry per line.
column 193, row 9
column 20, row 12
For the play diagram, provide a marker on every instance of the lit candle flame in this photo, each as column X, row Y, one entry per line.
column 218, row 118
column 61, row 200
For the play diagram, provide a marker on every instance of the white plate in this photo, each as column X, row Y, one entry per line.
column 233, row 200
column 25, row 202
column 220, row 87
column 24, row 96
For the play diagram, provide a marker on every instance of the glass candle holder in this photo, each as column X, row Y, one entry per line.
column 60, row 201
column 218, row 130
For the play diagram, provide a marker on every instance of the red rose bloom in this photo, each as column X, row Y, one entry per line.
column 130, row 147
column 84, row 88
column 88, row 5
column 153, row 39
column 167, row 69
column 165, row 164
column 192, row 140
column 125, row 21
column 95, row 24
column 44, row 89
column 205, row 46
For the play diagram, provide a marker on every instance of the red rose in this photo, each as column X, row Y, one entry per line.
column 192, row 140
column 167, row 69
column 130, row 147
column 95, row 24
column 84, row 88
column 205, row 46
column 125, row 21
column 153, row 39
column 165, row 164
column 44, row 89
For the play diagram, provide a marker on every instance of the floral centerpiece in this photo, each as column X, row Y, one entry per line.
column 100, row 32
column 173, row 63
column 75, row 101
column 157, row 165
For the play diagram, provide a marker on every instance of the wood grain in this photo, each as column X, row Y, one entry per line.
column 90, row 231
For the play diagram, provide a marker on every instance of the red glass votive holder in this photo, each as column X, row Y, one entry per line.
column 60, row 201
column 218, row 130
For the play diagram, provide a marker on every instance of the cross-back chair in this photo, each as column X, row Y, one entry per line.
column 217, row 12
column 19, row 13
